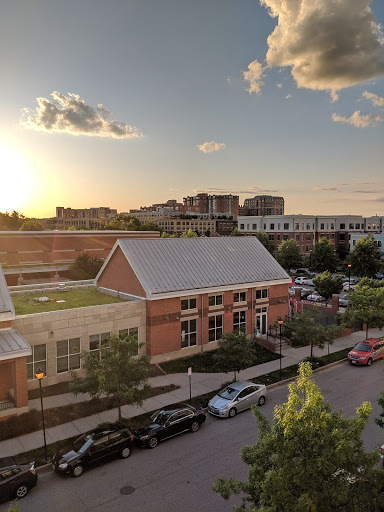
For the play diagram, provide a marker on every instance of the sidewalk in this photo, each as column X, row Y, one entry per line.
column 201, row 383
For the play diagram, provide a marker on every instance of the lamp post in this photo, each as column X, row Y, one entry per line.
column 349, row 277
column 280, row 322
column 39, row 376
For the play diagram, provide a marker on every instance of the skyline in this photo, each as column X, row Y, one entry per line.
column 136, row 103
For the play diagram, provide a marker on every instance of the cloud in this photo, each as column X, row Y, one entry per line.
column 327, row 189
column 279, row 86
column 70, row 114
column 288, row 96
column 329, row 44
column 358, row 120
column 210, row 147
column 376, row 100
column 254, row 77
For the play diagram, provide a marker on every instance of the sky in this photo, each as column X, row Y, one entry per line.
column 128, row 103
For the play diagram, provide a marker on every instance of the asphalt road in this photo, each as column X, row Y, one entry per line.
column 179, row 473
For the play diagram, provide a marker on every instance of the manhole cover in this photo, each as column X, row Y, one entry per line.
column 127, row 490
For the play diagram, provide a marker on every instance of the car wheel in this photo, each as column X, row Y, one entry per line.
column 153, row 442
column 125, row 452
column 232, row 412
column 195, row 426
column 261, row 400
column 369, row 362
column 78, row 470
column 21, row 491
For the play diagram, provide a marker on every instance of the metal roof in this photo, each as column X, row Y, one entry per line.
column 6, row 304
column 12, row 345
column 179, row 264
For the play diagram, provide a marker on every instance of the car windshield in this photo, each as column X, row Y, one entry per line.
column 361, row 347
column 82, row 444
column 162, row 417
column 228, row 393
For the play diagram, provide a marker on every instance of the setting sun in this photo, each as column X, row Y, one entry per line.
column 15, row 177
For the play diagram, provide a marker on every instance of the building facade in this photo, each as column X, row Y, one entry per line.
column 262, row 205
column 214, row 205
column 90, row 218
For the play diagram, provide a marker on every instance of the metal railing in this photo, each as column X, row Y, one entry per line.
column 6, row 404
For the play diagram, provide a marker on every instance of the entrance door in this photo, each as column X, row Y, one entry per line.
column 261, row 321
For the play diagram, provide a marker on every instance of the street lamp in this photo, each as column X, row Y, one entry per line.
column 349, row 277
column 280, row 322
column 39, row 376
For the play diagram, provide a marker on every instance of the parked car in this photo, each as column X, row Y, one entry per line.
column 169, row 422
column 93, row 447
column 315, row 297
column 305, row 292
column 300, row 280
column 348, row 287
column 304, row 271
column 382, row 453
column 343, row 301
column 379, row 276
column 16, row 479
column 237, row 397
column 367, row 351
column 308, row 282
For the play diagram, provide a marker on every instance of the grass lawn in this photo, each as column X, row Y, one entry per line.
column 204, row 362
column 27, row 304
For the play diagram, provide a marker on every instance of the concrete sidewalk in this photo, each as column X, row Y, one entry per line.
column 201, row 383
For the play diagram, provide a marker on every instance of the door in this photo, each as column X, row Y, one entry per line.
column 261, row 321
column 98, row 450
column 243, row 399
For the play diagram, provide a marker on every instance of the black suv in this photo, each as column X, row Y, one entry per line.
column 16, row 479
column 93, row 447
column 169, row 422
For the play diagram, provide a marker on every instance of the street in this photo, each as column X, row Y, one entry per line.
column 179, row 473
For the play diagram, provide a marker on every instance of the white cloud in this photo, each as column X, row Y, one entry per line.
column 329, row 44
column 210, row 147
column 254, row 77
column 358, row 120
column 288, row 96
column 279, row 86
column 376, row 100
column 70, row 114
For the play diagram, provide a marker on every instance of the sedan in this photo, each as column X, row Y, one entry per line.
column 343, row 301
column 300, row 280
column 16, row 479
column 308, row 282
column 169, row 422
column 348, row 287
column 315, row 297
column 237, row 397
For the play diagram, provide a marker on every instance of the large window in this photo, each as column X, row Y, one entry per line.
column 215, row 300
column 188, row 333
column 240, row 321
column 286, row 225
column 96, row 340
column 215, row 328
column 67, row 355
column 133, row 331
column 262, row 294
column 239, row 296
column 188, row 304
column 38, row 360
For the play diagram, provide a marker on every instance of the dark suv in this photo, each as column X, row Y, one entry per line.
column 16, row 479
column 93, row 447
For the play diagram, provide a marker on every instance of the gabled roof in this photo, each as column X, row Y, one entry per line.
column 169, row 265
column 13, row 345
column 7, row 311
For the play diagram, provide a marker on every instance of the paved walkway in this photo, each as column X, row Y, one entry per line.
column 201, row 383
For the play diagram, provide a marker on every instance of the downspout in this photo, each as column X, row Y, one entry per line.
column 202, row 315
column 252, row 332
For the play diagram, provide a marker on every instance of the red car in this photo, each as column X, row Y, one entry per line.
column 367, row 351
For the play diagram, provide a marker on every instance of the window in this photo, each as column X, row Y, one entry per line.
column 215, row 328
column 285, row 237
column 254, row 226
column 271, row 237
column 241, row 226
column 357, row 226
column 240, row 321
column 278, row 226
column 278, row 236
column 215, row 300
column 302, row 237
column 286, row 225
column 297, row 237
column 351, row 226
column 342, row 226
column 67, row 355
column 133, row 331
column 95, row 342
column 308, row 248
column 322, row 225
column 332, row 236
column 247, row 227
column 239, row 296
column 332, row 225
column 188, row 304
column 297, row 225
column 272, row 226
column 308, row 226
column 308, row 236
column 188, row 333
column 38, row 360
column 262, row 294
column 342, row 236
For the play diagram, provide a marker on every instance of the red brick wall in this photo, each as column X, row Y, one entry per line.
column 5, row 379
column 21, row 382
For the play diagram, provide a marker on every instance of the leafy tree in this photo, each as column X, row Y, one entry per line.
column 365, row 306
column 208, row 233
column 13, row 507
column 189, row 234
column 11, row 222
column 306, row 329
column 71, row 228
column 324, row 257
column 310, row 459
column 263, row 238
column 124, row 223
column 117, row 372
column 326, row 285
column 365, row 257
column 236, row 232
column 150, row 226
column 289, row 254
column 85, row 266
column 31, row 225
column 234, row 352
column 164, row 234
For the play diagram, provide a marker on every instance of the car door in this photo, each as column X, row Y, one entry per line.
column 377, row 351
column 168, row 429
column 8, row 482
column 242, row 399
column 254, row 395
column 115, row 442
column 98, row 450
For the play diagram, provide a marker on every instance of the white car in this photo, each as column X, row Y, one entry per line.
column 308, row 282
column 315, row 297
column 300, row 280
column 347, row 287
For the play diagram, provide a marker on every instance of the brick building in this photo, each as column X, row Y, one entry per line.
column 90, row 218
column 212, row 205
column 262, row 205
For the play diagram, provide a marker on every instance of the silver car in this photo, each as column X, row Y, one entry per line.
column 237, row 397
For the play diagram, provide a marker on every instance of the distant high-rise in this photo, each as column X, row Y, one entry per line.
column 263, row 205
column 212, row 205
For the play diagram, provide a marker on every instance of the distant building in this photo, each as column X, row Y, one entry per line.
column 262, row 205
column 90, row 218
column 214, row 205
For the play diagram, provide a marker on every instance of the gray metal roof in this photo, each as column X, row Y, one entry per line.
column 179, row 264
column 6, row 304
column 12, row 345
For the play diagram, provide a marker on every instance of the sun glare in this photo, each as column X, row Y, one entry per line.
column 15, row 180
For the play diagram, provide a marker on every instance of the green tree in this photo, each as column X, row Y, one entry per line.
column 124, row 223
column 289, row 254
column 365, row 258
column 324, row 257
column 150, row 226
column 31, row 225
column 13, row 507
column 310, row 459
column 263, row 238
column 11, row 222
column 116, row 372
column 234, row 353
column 236, row 232
column 85, row 266
column 189, row 234
column 326, row 285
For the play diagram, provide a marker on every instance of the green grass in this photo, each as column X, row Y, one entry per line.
column 205, row 363
column 27, row 304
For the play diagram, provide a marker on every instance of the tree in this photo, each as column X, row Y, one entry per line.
column 365, row 259
column 234, row 353
column 289, row 254
column 236, row 232
column 150, row 226
column 310, row 459
column 306, row 329
column 189, row 234
column 324, row 257
column 31, row 225
column 11, row 222
column 365, row 306
column 264, row 240
column 326, row 285
column 124, row 223
column 116, row 372
column 85, row 266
